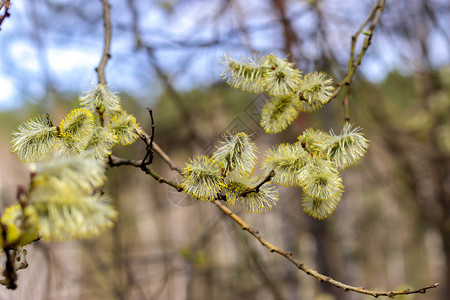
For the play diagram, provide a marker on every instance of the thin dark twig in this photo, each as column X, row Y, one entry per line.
column 6, row 4
column 346, row 106
column 148, row 158
column 256, row 188
column 106, row 55
column 153, row 127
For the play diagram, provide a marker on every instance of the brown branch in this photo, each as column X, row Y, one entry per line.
column 160, row 179
column 256, row 188
column 372, row 18
column 148, row 140
column 6, row 14
column 312, row 272
column 118, row 161
column 106, row 55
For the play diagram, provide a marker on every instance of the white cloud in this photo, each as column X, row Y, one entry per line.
column 7, row 93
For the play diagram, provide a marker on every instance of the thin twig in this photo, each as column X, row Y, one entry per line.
column 150, row 111
column 173, row 166
column 372, row 18
column 346, row 106
column 6, row 14
column 256, row 188
column 106, row 55
column 148, row 158
column 160, row 179
column 115, row 161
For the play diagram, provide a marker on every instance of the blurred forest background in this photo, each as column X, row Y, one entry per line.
column 391, row 230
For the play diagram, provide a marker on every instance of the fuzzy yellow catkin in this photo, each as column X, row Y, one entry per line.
column 21, row 225
column 346, row 148
column 254, row 202
column 75, row 130
column 286, row 160
column 65, row 194
column 35, row 139
column 100, row 100
column 278, row 113
column 125, row 127
column 202, row 178
column 236, row 152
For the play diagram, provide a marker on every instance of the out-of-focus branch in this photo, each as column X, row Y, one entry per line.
column 6, row 14
column 106, row 55
column 149, row 51
column 289, row 34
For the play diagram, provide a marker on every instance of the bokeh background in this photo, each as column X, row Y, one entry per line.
column 390, row 231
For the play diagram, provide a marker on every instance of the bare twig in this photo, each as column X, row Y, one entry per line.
column 355, row 61
column 256, row 188
column 148, row 158
column 106, row 55
column 345, row 103
column 6, row 14
column 173, row 166
column 115, row 161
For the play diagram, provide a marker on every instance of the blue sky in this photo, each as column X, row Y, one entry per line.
column 71, row 57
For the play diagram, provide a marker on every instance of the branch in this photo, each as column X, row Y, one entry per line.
column 6, row 4
column 119, row 161
column 148, row 158
column 107, row 42
column 353, row 64
column 256, row 188
column 312, row 272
